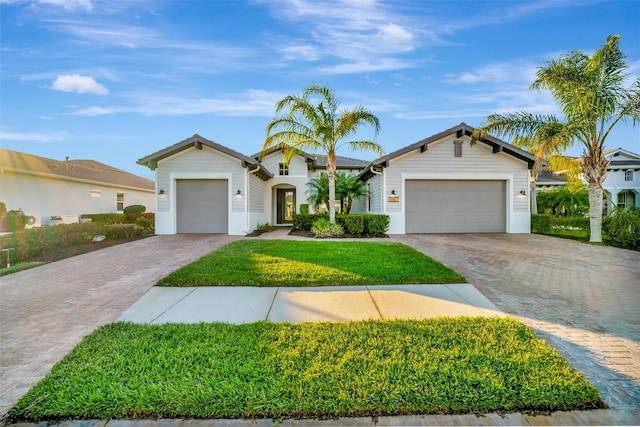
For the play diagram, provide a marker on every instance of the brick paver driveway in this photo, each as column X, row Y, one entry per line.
column 584, row 300
column 45, row 311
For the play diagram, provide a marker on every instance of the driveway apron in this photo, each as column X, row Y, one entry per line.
column 45, row 311
column 581, row 299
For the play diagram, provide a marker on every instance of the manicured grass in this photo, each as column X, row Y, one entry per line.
column 19, row 267
column 281, row 370
column 311, row 263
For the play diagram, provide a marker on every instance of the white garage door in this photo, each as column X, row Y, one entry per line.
column 438, row 206
column 202, row 205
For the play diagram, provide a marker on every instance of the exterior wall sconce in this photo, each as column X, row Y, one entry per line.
column 161, row 191
column 523, row 192
column 393, row 192
column 238, row 193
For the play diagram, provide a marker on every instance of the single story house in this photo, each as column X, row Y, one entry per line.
column 44, row 187
column 441, row 184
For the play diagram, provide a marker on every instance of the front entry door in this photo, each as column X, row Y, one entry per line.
column 286, row 204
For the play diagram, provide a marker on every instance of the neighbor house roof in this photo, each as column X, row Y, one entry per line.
column 547, row 177
column 197, row 141
column 459, row 130
column 72, row 170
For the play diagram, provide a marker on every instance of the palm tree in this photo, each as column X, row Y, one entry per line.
column 591, row 94
column 349, row 187
column 543, row 140
column 313, row 122
column 319, row 189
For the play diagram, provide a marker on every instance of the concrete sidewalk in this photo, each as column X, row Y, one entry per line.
column 242, row 304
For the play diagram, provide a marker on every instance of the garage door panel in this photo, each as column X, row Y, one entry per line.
column 447, row 206
column 202, row 206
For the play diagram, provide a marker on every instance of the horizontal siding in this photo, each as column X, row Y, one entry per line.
column 376, row 194
column 440, row 159
column 297, row 164
column 256, row 194
column 194, row 161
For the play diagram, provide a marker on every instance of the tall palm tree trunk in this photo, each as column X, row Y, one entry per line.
column 533, row 197
column 594, row 166
column 331, row 173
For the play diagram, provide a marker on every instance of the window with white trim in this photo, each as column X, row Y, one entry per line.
column 628, row 175
column 120, row 201
column 283, row 169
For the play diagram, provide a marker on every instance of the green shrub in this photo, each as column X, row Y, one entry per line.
column 376, row 224
column 16, row 220
column 265, row 228
column 147, row 224
column 44, row 241
column 132, row 212
column 106, row 218
column 324, row 228
column 540, row 223
column 354, row 223
column 304, row 208
column 622, row 228
column 305, row 221
column 571, row 222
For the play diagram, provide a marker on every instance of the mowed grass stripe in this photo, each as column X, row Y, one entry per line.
column 311, row 263
column 280, row 370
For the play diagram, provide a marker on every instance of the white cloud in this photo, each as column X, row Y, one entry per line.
column 383, row 64
column 247, row 103
column 69, row 5
column 78, row 84
column 37, row 137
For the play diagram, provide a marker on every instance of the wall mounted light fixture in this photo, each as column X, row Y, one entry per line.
column 523, row 192
column 238, row 192
column 393, row 192
column 161, row 191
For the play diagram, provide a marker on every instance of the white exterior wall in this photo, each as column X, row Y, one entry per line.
column 43, row 197
column 477, row 162
column 201, row 164
column 615, row 183
column 256, row 196
column 298, row 178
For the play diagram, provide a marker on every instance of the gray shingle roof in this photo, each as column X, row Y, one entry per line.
column 73, row 170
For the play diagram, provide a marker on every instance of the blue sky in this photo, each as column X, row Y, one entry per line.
column 114, row 80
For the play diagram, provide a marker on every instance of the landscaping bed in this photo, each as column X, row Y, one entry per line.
column 309, row 370
column 311, row 263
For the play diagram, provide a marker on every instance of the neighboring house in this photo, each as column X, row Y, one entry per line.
column 623, row 178
column 440, row 184
column 622, row 184
column 44, row 187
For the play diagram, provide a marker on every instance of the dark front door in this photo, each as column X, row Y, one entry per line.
column 286, row 204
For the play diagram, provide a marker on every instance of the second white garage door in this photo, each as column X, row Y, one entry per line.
column 202, row 205
column 440, row 206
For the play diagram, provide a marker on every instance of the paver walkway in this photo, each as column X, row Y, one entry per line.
column 45, row 311
column 584, row 300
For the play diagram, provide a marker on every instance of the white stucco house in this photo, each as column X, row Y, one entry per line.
column 441, row 184
column 44, row 187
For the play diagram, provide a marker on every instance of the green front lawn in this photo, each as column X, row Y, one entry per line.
column 19, row 267
column 311, row 263
column 281, row 370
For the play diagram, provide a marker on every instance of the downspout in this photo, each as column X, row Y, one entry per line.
column 247, row 202
column 383, row 187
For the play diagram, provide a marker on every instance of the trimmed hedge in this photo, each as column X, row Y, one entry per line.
column 41, row 241
column 105, row 218
column 133, row 212
column 571, row 222
column 370, row 224
column 540, row 223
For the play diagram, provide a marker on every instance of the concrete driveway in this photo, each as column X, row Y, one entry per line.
column 584, row 300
